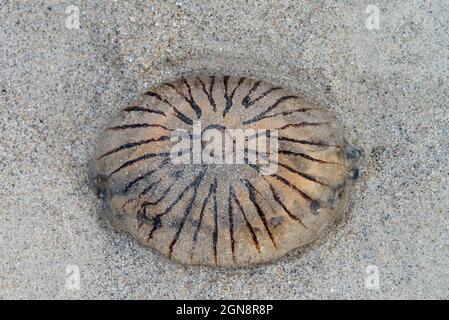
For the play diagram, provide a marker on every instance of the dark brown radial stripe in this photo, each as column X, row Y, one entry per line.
column 308, row 157
column 213, row 186
column 157, row 218
column 222, row 214
column 142, row 109
column 138, row 126
column 307, row 142
column 215, row 234
column 141, row 158
column 189, row 99
column 231, row 222
column 184, row 218
column 285, row 182
column 295, row 171
column 248, row 224
column 229, row 97
column 304, row 175
column 192, row 101
column 178, row 114
column 149, row 187
column 292, row 186
column 303, row 124
column 260, row 212
column 163, row 196
column 269, row 109
column 209, row 93
column 286, row 113
column 277, row 198
column 247, row 103
column 181, row 116
column 133, row 144
column 130, row 184
column 156, row 95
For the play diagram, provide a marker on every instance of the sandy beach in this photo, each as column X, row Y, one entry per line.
column 387, row 81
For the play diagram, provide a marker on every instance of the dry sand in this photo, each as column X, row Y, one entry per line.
column 59, row 86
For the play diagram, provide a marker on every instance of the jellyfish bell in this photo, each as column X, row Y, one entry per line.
column 260, row 171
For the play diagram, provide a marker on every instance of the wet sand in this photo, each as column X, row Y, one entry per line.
column 389, row 87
